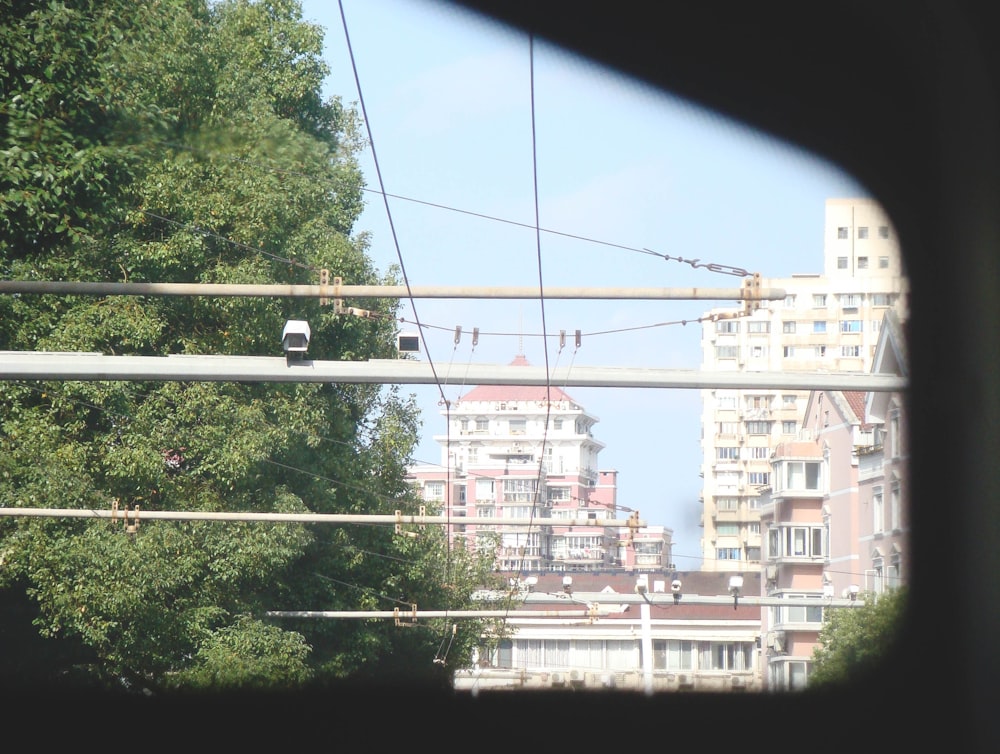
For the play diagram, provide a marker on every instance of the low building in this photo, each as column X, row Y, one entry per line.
column 616, row 630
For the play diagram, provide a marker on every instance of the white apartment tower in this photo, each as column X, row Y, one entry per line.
column 827, row 322
column 529, row 452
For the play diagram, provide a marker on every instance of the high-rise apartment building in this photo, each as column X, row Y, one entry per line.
column 529, row 452
column 827, row 322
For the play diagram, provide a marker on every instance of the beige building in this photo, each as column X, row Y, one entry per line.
column 827, row 322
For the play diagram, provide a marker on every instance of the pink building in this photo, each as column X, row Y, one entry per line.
column 834, row 517
column 529, row 452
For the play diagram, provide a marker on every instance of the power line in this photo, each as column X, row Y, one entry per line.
column 397, row 519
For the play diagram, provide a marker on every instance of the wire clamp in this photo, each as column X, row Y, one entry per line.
column 399, row 619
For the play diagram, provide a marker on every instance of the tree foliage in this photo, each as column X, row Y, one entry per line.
column 855, row 640
column 187, row 141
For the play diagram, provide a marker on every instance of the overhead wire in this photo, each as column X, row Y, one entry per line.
column 402, row 266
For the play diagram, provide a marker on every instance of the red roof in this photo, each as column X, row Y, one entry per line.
column 856, row 400
column 516, row 392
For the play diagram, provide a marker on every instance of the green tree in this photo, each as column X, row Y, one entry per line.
column 855, row 640
column 187, row 141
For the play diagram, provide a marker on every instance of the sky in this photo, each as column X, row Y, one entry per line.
column 483, row 134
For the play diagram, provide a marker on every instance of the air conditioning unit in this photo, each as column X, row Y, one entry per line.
column 683, row 679
column 558, row 679
column 779, row 641
column 739, row 682
column 575, row 676
column 771, row 572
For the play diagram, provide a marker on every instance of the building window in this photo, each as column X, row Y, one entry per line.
column 672, row 654
column 878, row 583
column 796, row 677
column 819, row 299
column 484, row 489
column 725, row 402
column 434, row 491
column 482, row 425
column 798, row 613
column 842, row 231
column 727, row 479
column 727, row 352
column 883, row 231
column 728, row 553
column 799, row 475
column 788, row 428
column 883, row 263
column 758, row 428
column 850, row 351
column 851, row 325
column 759, row 326
column 894, row 434
column 726, row 503
column 557, row 494
column 519, row 490
column 862, row 263
column 894, row 506
column 788, row 352
column 820, row 351
column 731, row 656
column 729, row 428
column 882, row 299
column 878, row 513
column 517, row 426
column 727, row 326
column 819, row 326
column 849, row 300
column 759, row 478
column 760, row 453
column 788, row 328
column 863, row 231
column 841, row 263
column 894, row 576
column 788, row 401
column 728, row 530
column 727, row 454
column 803, row 541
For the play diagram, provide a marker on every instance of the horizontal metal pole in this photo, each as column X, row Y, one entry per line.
column 387, row 291
column 667, row 600
column 19, row 365
column 405, row 615
column 612, row 605
column 321, row 518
